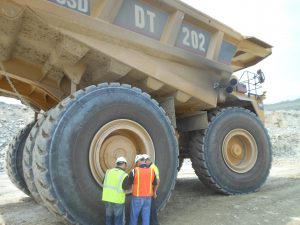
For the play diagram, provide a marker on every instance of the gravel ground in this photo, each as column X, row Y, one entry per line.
column 191, row 203
column 276, row 203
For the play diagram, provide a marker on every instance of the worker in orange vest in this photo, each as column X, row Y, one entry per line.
column 153, row 211
column 144, row 185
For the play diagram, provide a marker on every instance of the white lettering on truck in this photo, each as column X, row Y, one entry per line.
column 141, row 17
column 83, row 6
column 79, row 5
column 151, row 17
column 62, row 2
column 193, row 39
column 71, row 4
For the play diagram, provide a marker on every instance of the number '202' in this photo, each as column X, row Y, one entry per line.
column 193, row 39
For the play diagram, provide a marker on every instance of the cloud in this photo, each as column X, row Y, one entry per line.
column 275, row 22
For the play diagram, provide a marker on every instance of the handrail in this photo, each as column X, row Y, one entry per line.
column 253, row 81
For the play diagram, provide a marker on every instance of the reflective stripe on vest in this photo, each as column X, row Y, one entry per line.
column 138, row 182
column 112, row 187
column 142, row 184
column 151, row 181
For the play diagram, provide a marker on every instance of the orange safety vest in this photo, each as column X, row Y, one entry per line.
column 142, row 183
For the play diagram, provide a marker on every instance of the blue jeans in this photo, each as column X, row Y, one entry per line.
column 115, row 212
column 140, row 204
column 153, row 214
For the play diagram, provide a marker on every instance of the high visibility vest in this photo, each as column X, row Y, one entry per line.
column 112, row 187
column 153, row 166
column 142, row 183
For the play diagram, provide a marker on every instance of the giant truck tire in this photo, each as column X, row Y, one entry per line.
column 233, row 155
column 27, row 160
column 81, row 138
column 14, row 158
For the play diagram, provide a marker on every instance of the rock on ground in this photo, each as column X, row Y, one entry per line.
column 192, row 203
column 12, row 119
column 284, row 131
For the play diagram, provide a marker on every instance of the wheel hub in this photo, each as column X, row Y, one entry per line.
column 118, row 138
column 236, row 151
column 113, row 147
column 239, row 150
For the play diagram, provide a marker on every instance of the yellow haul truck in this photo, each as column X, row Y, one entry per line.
column 124, row 77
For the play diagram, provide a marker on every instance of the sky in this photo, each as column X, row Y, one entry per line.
column 276, row 22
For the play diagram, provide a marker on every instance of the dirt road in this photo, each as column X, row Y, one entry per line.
column 277, row 203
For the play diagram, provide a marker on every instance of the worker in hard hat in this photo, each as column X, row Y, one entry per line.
column 116, row 181
column 144, row 185
column 153, row 213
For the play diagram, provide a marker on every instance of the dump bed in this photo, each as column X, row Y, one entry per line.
column 51, row 48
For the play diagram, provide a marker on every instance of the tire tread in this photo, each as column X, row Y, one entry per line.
column 41, row 155
column 197, row 146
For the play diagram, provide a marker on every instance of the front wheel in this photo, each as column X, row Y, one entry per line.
column 82, row 137
column 233, row 155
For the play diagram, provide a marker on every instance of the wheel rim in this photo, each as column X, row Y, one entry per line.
column 239, row 150
column 118, row 138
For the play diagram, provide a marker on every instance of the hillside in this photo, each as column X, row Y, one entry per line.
column 12, row 119
column 285, row 105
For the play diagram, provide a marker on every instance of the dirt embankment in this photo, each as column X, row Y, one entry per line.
column 12, row 119
column 284, row 131
column 277, row 203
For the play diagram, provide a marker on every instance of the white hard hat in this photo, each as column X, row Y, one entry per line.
column 138, row 157
column 121, row 159
column 145, row 156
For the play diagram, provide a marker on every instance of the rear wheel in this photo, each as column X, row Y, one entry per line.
column 233, row 155
column 27, row 160
column 14, row 158
column 81, row 138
